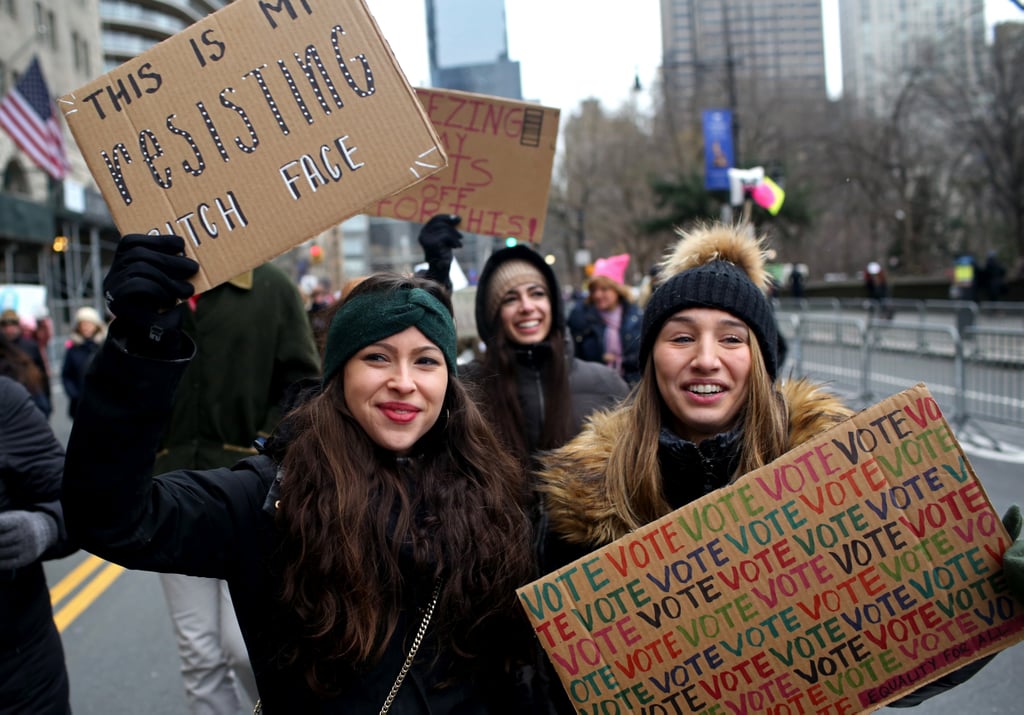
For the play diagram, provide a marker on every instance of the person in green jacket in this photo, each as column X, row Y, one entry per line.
column 254, row 344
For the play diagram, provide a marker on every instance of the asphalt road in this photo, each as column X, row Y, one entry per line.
column 122, row 660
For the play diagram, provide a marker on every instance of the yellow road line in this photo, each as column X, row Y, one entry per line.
column 86, row 596
column 74, row 578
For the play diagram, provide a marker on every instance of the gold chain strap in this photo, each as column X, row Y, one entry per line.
column 258, row 710
column 412, row 651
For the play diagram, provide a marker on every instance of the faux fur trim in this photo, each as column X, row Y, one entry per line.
column 718, row 242
column 572, row 477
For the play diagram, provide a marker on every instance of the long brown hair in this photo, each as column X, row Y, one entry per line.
column 500, row 387
column 17, row 364
column 633, row 475
column 364, row 532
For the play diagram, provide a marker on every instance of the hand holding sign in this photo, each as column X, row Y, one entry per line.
column 438, row 238
column 149, row 276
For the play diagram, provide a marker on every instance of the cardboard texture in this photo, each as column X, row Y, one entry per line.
column 499, row 171
column 853, row 569
column 254, row 130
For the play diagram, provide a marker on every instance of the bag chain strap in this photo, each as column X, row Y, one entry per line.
column 412, row 650
column 258, row 710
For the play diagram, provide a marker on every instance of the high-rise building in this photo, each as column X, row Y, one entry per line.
column 722, row 53
column 882, row 40
column 468, row 48
column 130, row 27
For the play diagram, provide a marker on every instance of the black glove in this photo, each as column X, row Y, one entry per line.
column 438, row 237
column 146, row 281
column 24, row 536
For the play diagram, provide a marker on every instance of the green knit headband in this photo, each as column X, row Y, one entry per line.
column 364, row 319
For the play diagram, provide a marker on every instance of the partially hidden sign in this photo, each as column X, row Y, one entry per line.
column 500, row 155
column 849, row 571
column 253, row 130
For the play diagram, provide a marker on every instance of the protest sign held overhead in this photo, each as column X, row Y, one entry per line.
column 253, row 130
column 849, row 571
column 499, row 171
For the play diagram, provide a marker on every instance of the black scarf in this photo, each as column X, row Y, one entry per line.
column 689, row 471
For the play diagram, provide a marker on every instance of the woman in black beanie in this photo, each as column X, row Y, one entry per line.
column 372, row 547
column 708, row 408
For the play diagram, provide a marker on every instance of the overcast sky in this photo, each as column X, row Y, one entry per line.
column 570, row 50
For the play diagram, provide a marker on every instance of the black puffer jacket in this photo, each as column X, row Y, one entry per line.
column 32, row 674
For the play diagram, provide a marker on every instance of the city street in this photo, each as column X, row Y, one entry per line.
column 122, row 660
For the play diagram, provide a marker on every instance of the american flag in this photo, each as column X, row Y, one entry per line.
column 28, row 114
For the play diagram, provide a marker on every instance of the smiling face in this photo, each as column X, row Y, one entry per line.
column 603, row 295
column 11, row 329
column 525, row 313
column 395, row 388
column 702, row 365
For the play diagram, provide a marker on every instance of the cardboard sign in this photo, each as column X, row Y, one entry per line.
column 253, row 130
column 853, row 569
column 500, row 157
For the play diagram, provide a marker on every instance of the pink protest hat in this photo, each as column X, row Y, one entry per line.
column 613, row 267
column 613, row 270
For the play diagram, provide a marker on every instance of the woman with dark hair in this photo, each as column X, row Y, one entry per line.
column 536, row 393
column 16, row 364
column 372, row 549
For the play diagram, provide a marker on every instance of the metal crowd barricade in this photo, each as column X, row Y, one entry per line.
column 896, row 360
column 829, row 349
column 975, row 371
column 994, row 375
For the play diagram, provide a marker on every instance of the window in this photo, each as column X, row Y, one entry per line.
column 80, row 52
column 46, row 25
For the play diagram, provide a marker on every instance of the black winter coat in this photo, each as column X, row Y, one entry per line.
column 219, row 523
column 32, row 674
column 76, row 359
column 588, row 329
column 592, row 387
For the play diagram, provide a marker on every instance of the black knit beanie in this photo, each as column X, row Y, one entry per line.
column 717, row 284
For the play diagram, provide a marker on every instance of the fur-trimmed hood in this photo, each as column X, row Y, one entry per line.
column 572, row 477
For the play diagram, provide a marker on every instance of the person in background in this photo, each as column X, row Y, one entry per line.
column 373, row 547
column 87, row 335
column 536, row 393
column 254, row 345
column 18, row 366
column 606, row 326
column 995, row 277
column 708, row 409
column 33, row 678
column 13, row 334
column 796, row 281
column 876, row 285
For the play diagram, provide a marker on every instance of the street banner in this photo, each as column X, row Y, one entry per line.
column 718, row 149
